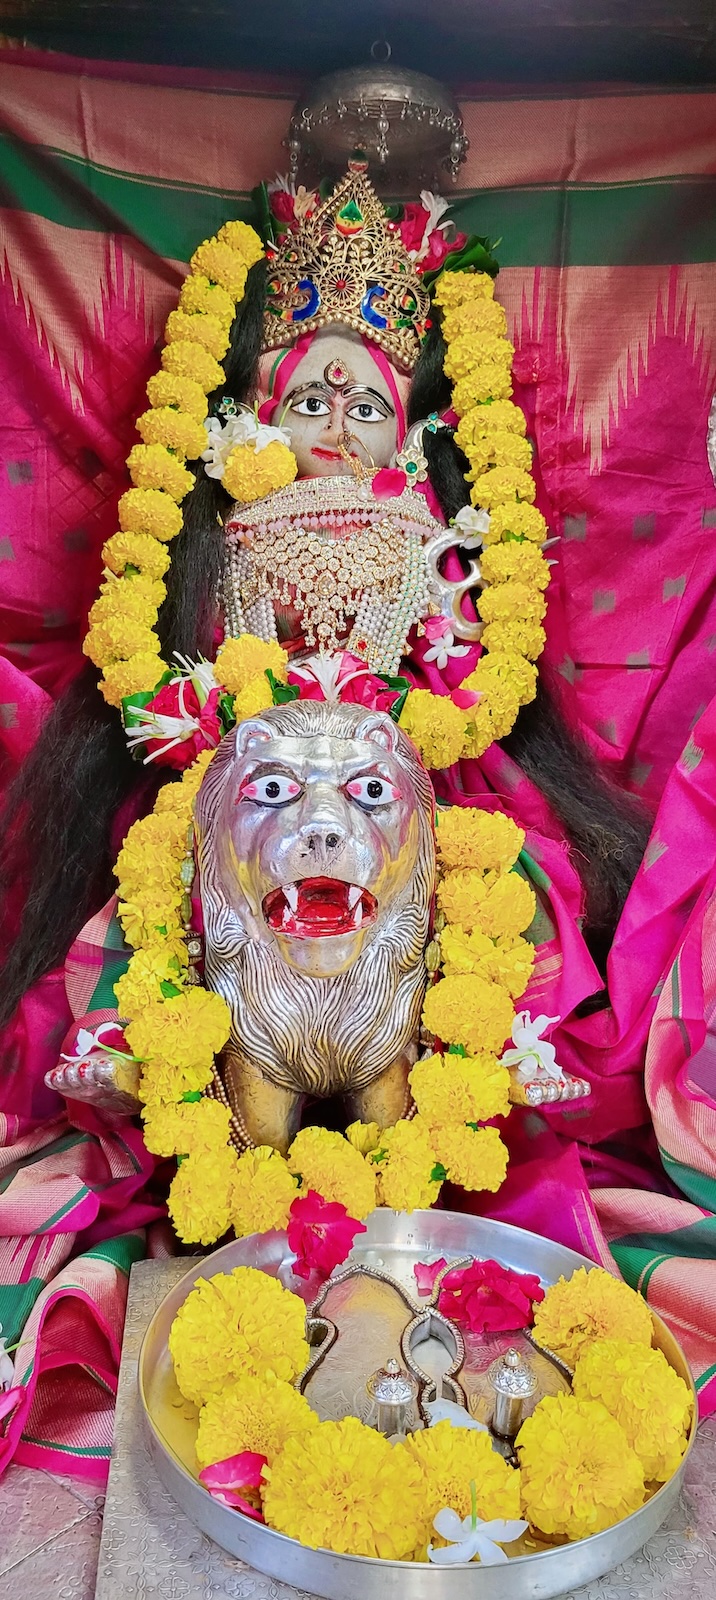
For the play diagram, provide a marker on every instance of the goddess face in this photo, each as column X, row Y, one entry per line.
column 339, row 404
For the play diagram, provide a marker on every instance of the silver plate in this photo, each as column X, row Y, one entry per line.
column 395, row 1242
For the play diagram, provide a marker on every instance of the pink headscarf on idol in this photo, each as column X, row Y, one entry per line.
column 277, row 367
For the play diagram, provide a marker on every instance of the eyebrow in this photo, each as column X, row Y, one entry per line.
column 350, row 392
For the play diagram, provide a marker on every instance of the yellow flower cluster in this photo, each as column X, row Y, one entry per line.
column 255, row 1413
column 262, row 1192
column 491, row 433
column 122, row 638
column 588, row 1306
column 406, row 1164
column 648, row 1398
column 249, row 474
column 451, row 1459
column 241, row 666
column 328, row 1163
column 435, row 725
column 579, row 1473
column 236, row 1325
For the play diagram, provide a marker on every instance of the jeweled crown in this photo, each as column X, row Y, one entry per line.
column 346, row 263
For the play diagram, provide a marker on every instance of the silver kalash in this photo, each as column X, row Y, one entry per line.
column 317, row 863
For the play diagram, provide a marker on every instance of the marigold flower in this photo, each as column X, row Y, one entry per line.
column 497, row 416
column 521, row 638
column 238, row 661
column 455, row 288
column 217, row 261
column 257, row 1414
column 451, row 1459
column 136, row 675
column 175, row 429
column 517, row 518
column 142, row 982
column 474, row 316
column 263, row 1193
column 364, row 1137
column 460, row 893
column 507, row 960
column 435, row 725
column 152, row 466
column 171, row 389
column 468, row 837
column 508, row 907
column 468, row 1011
column 648, row 1398
column 200, row 328
column 137, row 597
column 507, row 667
column 151, row 511
column 243, row 240
column 518, row 559
column 189, row 360
column 474, row 1159
column 472, row 350
column 118, row 637
column 198, row 1202
column 343, row 1487
column 454, row 1089
column 249, row 474
column 254, row 699
column 579, row 1473
column 198, row 294
column 490, row 380
column 192, row 1127
column 185, row 1032
column 406, row 1176
column 235, row 1325
column 326, row 1162
column 590, row 1305
column 506, row 601
column 501, row 485
column 135, row 550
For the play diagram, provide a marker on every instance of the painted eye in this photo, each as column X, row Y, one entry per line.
column 365, row 412
column 372, row 792
column 311, row 406
column 273, row 789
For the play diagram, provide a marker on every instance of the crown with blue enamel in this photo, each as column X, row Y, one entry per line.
column 346, row 263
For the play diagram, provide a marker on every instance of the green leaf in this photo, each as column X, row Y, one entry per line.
column 169, row 989
column 457, row 1050
column 402, row 685
column 439, row 1173
column 282, row 693
column 265, row 220
column 191, row 1096
column 225, row 708
column 475, row 256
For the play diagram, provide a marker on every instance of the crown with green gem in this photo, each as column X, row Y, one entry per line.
column 346, row 264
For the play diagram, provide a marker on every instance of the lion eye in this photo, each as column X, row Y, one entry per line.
column 273, row 789
column 371, row 792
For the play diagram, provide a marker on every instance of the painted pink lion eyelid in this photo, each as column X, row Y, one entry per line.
column 356, row 788
column 250, row 791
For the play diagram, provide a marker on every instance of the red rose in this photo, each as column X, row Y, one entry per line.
column 200, row 727
column 488, row 1298
column 282, row 206
column 425, row 1274
column 321, row 1234
column 388, row 482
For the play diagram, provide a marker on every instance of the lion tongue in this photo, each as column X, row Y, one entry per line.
column 322, row 905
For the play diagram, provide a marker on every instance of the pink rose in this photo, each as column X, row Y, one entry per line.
column 436, row 627
column 201, row 724
column 488, row 1298
column 413, row 224
column 229, row 1480
column 321, row 1234
column 388, row 482
column 440, row 247
column 425, row 1275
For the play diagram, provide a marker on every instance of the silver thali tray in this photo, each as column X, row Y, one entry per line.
column 393, row 1243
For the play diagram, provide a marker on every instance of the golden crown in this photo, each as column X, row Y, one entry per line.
column 346, row 263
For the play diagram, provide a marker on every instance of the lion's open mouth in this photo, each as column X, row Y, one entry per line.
column 317, row 908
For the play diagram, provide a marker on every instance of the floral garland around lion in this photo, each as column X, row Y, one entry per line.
column 174, row 1027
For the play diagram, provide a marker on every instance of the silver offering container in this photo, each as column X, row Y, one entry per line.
column 393, row 1243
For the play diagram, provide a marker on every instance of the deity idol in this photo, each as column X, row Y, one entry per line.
column 352, row 597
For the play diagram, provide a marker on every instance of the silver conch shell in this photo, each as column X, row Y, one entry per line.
column 316, row 861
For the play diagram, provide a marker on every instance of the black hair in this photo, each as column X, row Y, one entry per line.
column 607, row 829
column 56, row 852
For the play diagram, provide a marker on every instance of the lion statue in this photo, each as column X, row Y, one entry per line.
column 315, row 830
